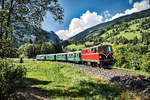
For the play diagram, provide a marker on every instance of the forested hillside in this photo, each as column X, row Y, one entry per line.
column 124, row 30
column 128, row 35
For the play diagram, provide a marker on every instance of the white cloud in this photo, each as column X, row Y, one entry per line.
column 107, row 14
column 130, row 1
column 90, row 19
column 137, row 6
column 77, row 25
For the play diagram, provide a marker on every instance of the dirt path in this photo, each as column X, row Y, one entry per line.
column 32, row 93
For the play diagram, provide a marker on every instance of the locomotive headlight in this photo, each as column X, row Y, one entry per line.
column 100, row 57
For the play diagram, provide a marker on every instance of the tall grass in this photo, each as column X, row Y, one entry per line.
column 63, row 82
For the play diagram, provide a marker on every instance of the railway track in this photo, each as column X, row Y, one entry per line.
column 115, row 71
column 124, row 78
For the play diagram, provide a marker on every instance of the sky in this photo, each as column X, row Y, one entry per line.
column 82, row 14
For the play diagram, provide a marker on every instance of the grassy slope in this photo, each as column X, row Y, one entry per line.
column 60, row 81
column 132, row 70
column 130, row 32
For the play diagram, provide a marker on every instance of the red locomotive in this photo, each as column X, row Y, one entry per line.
column 98, row 55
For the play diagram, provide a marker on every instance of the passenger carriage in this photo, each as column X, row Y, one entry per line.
column 41, row 57
column 61, row 57
column 98, row 55
column 51, row 57
column 74, row 56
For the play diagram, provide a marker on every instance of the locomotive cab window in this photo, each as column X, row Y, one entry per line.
column 101, row 49
column 109, row 49
column 105, row 49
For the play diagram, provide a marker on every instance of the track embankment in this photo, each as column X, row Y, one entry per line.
column 124, row 78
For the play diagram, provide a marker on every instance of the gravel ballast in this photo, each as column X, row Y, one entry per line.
column 121, row 77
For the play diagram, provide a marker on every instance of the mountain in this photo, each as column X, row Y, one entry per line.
column 53, row 36
column 25, row 35
column 130, row 29
column 100, row 28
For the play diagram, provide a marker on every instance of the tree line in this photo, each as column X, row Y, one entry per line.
column 31, row 50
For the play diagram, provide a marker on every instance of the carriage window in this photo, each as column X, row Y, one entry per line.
column 92, row 49
column 76, row 55
column 95, row 50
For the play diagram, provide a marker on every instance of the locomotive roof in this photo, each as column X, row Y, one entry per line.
column 96, row 46
column 74, row 52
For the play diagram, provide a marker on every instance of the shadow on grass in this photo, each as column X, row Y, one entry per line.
column 88, row 90
column 32, row 81
column 84, row 89
column 26, row 92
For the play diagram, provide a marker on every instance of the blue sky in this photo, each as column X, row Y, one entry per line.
column 95, row 11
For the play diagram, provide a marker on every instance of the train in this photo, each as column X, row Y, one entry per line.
column 95, row 56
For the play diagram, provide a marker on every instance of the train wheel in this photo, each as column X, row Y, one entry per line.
column 92, row 64
column 100, row 65
column 85, row 63
column 97, row 65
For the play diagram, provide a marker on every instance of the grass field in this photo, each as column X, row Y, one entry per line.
column 132, row 70
column 63, row 82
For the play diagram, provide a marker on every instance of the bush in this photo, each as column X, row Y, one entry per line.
column 7, row 49
column 145, row 64
column 10, row 77
column 134, row 61
column 132, row 56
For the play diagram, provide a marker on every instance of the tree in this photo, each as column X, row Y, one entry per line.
column 123, row 40
column 30, row 41
column 47, row 48
column 135, row 40
column 28, row 12
column 146, row 38
column 57, row 46
column 29, row 50
column 7, row 48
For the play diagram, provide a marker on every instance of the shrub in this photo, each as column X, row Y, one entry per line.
column 120, row 55
column 145, row 64
column 10, row 77
column 132, row 56
column 134, row 61
column 7, row 49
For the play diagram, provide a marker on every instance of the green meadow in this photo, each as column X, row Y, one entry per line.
column 63, row 82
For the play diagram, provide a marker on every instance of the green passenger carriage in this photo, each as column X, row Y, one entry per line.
column 74, row 56
column 61, row 57
column 51, row 57
column 41, row 57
